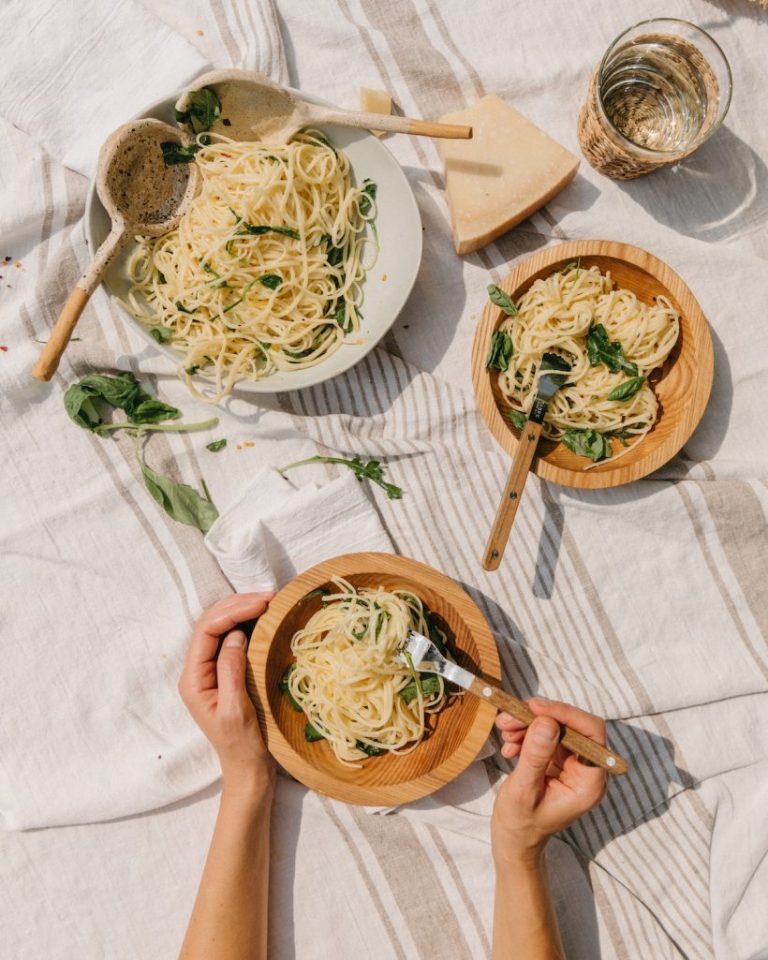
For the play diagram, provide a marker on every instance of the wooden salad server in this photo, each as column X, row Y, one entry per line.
column 254, row 108
column 551, row 378
column 423, row 655
column 142, row 195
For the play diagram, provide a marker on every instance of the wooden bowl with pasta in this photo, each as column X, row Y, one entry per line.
column 454, row 735
column 681, row 384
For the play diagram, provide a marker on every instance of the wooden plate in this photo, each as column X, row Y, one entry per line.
column 457, row 733
column 682, row 384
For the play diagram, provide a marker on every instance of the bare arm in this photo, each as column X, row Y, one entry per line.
column 229, row 918
column 546, row 792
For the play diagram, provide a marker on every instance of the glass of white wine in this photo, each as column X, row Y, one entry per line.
column 662, row 89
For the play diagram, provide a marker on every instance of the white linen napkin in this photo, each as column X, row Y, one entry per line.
column 275, row 530
column 69, row 95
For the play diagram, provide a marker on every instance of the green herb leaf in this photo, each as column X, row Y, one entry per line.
column 179, row 500
column 370, row 750
column 215, row 445
column 181, row 308
column 160, row 276
column 518, row 418
column 588, row 443
column 123, row 391
column 626, row 390
column 317, row 592
column 153, row 410
column 429, row 685
column 368, row 197
column 372, row 470
column 600, row 349
column 259, row 230
column 203, row 110
column 502, row 299
column 500, row 352
column 312, row 734
column 191, row 371
column 174, row 152
column 285, row 688
column 271, row 280
column 161, row 334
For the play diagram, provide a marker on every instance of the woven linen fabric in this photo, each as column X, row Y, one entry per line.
column 646, row 603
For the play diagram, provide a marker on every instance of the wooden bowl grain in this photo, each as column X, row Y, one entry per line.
column 682, row 384
column 456, row 734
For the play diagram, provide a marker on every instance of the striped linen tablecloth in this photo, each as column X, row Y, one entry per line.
column 648, row 603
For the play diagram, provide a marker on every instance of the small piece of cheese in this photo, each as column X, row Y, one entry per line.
column 508, row 170
column 375, row 101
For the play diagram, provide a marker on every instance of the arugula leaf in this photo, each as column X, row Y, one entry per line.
column 429, row 685
column 588, row 443
column 312, row 734
column 179, row 500
column 368, row 198
column 600, row 349
column 502, row 299
column 248, row 229
column 518, row 418
column 161, row 334
column 372, row 470
column 626, row 390
column 500, row 351
column 215, row 445
column 174, row 152
column 271, row 280
column 203, row 111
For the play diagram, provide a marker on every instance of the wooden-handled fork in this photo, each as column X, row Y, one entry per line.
column 425, row 657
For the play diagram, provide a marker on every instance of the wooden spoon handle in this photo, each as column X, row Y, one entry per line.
column 48, row 361
column 378, row 121
column 510, row 499
column 577, row 743
column 52, row 352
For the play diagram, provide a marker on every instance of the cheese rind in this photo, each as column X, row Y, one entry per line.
column 507, row 171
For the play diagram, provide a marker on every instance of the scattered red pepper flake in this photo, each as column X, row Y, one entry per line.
column 199, row 33
column 18, row 263
column 239, row 447
column 248, row 443
column 4, row 349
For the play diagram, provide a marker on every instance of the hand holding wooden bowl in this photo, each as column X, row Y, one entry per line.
column 456, row 734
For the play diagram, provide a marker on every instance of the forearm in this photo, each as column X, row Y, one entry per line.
column 229, row 918
column 524, row 923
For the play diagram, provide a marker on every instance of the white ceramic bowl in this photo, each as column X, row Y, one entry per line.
column 386, row 287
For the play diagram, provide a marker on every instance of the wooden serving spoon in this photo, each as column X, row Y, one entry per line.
column 142, row 195
column 254, row 108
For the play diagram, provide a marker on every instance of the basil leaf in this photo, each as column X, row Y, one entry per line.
column 367, row 748
column 502, row 299
column 260, row 229
column 588, row 443
column 312, row 734
column 181, row 308
column 203, row 110
column 500, row 352
column 191, row 371
column 285, row 688
column 161, row 334
column 626, row 390
column 152, row 410
column 174, row 152
column 79, row 404
column 429, row 685
column 123, row 392
column 179, row 500
column 215, row 445
column 271, row 280
column 518, row 418
column 368, row 197
column 600, row 349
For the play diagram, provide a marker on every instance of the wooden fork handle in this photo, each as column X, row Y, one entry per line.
column 510, row 499
column 577, row 743
column 48, row 361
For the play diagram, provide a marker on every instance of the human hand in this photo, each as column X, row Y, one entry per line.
column 213, row 690
column 549, row 788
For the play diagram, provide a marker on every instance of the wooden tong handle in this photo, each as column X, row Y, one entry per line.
column 510, row 499
column 575, row 742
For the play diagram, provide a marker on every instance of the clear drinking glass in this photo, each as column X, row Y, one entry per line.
column 662, row 89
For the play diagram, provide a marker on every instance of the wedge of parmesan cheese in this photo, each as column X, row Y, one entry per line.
column 502, row 175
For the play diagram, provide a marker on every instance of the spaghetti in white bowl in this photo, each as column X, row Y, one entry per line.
column 341, row 312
